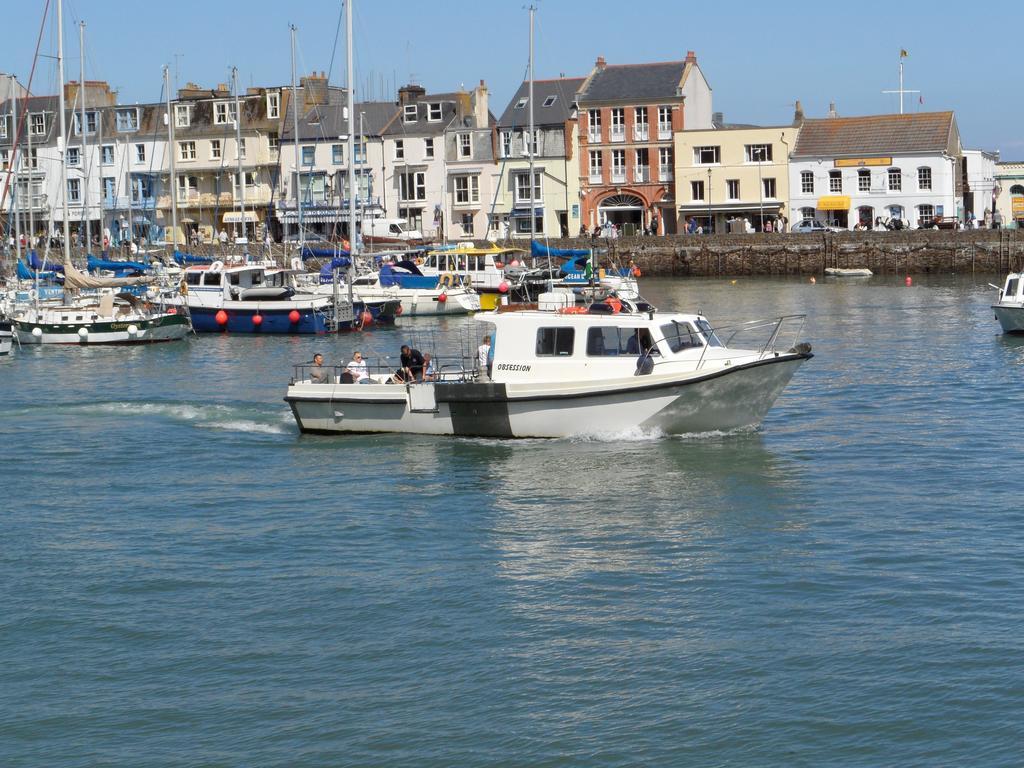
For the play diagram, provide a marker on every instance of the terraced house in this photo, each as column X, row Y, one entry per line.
column 628, row 117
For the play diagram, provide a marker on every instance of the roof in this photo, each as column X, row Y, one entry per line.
column 329, row 121
column 923, row 132
column 563, row 89
column 635, row 82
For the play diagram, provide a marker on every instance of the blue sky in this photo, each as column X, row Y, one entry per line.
column 759, row 58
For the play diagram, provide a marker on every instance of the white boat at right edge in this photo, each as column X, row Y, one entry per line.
column 1009, row 307
column 573, row 371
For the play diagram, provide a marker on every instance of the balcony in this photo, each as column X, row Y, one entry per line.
column 641, row 174
column 35, row 203
column 618, row 133
column 664, row 131
column 641, row 132
column 618, row 175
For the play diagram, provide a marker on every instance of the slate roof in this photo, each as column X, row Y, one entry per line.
column 923, row 132
column 635, row 82
column 563, row 89
column 328, row 122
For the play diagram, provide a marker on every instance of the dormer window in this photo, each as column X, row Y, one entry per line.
column 224, row 113
column 3, row 125
column 550, row 101
column 90, row 122
column 37, row 124
column 182, row 115
column 434, row 113
column 409, row 113
column 273, row 105
column 522, row 103
column 127, row 119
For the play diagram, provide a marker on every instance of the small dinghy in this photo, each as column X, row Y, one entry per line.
column 841, row 272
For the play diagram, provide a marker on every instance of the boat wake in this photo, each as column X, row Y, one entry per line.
column 218, row 416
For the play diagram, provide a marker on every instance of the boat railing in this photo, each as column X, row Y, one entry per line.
column 448, row 370
column 771, row 333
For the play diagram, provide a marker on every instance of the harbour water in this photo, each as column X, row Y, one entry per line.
column 187, row 581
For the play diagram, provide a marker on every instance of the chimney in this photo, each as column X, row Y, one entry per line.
column 408, row 94
column 717, row 119
column 798, row 114
column 691, row 57
column 600, row 63
column 314, row 90
column 480, row 105
column 832, row 110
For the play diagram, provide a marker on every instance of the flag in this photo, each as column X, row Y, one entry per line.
column 920, row 99
column 903, row 53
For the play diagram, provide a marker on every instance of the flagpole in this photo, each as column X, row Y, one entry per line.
column 901, row 82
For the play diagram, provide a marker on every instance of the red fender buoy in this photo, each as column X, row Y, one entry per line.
column 294, row 316
column 257, row 320
column 221, row 317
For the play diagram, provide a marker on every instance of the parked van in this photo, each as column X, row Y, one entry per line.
column 391, row 232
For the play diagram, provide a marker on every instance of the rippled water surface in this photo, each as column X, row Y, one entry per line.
column 187, row 581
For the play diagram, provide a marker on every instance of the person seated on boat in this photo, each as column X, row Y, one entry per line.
column 317, row 373
column 357, row 369
column 429, row 371
column 633, row 344
column 412, row 363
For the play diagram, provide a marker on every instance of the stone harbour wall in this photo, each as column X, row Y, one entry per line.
column 885, row 253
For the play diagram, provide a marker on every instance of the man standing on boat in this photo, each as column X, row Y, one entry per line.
column 483, row 354
column 412, row 363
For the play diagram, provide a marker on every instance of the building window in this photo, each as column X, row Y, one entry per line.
column 359, row 149
column 186, row 150
column 523, row 188
column 807, row 183
column 140, row 153
column 274, row 105
column 224, row 113
column 665, row 164
column 550, row 101
column 5, row 120
column 5, row 159
column 434, row 112
column 835, row 181
column 467, row 223
column 618, row 120
column 618, row 166
column 182, row 115
column 399, row 149
column 273, row 141
column 465, row 146
column 337, row 154
column 732, row 189
column 250, row 179
column 863, row 180
column 807, row 213
column 528, row 146
column 467, row 189
column 521, row 103
column 308, row 155
column 664, row 122
column 925, row 214
column 642, row 166
column 215, row 149
column 506, row 143
column 108, row 190
column 37, row 124
column 924, row 179
column 188, row 187
column 126, row 119
column 90, row 122
column 641, row 130
column 241, row 147
column 30, row 159
column 895, row 180
column 74, row 190
column 409, row 113
column 758, row 153
column 142, row 188
column 594, row 125
column 768, row 187
column 107, row 154
column 707, row 155
column 428, row 149
column 696, row 190
column 596, row 165
column 412, row 186
column 72, row 156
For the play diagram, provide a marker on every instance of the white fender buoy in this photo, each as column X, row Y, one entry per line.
column 83, row 333
column 37, row 332
column 132, row 330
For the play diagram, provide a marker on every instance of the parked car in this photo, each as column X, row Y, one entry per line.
column 811, row 225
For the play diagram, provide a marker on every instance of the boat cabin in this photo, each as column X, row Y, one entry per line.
column 1013, row 289
column 244, row 283
column 478, row 265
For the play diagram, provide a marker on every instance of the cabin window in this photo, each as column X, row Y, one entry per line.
column 709, row 334
column 608, row 341
column 212, row 278
column 680, row 336
column 1011, row 288
column 233, row 278
column 193, row 278
column 555, row 341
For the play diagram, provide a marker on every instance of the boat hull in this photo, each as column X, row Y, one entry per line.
column 424, row 303
column 724, row 400
column 162, row 328
column 6, row 339
column 1010, row 317
column 273, row 321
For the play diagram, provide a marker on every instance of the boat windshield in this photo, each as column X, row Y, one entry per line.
column 1011, row 288
column 680, row 336
column 709, row 334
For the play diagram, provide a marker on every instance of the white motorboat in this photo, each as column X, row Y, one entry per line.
column 1009, row 307
column 419, row 294
column 848, row 272
column 6, row 338
column 563, row 370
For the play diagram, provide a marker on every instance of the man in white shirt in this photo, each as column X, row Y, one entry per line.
column 357, row 367
column 483, row 352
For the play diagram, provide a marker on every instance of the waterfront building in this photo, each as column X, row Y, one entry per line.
column 554, row 197
column 324, row 163
column 31, row 178
column 209, row 192
column 732, row 173
column 469, row 165
column 628, row 117
column 860, row 170
column 978, row 171
column 1009, row 186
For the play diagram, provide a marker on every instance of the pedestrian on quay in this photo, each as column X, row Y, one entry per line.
column 223, row 237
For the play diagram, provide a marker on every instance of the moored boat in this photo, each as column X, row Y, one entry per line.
column 1009, row 306
column 6, row 338
column 848, row 272
column 605, row 369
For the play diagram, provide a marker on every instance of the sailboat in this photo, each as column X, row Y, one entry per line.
column 109, row 316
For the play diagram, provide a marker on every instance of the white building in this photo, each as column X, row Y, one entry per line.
column 979, row 185
column 862, row 170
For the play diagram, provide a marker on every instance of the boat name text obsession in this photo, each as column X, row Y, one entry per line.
column 514, row 367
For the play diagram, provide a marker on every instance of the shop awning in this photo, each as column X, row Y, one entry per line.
column 235, row 217
column 834, row 203
column 520, row 212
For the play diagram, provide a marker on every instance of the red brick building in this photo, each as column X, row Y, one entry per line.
column 628, row 116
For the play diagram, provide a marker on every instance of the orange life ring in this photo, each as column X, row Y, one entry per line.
column 614, row 303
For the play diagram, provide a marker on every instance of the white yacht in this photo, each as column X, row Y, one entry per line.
column 563, row 370
column 1009, row 307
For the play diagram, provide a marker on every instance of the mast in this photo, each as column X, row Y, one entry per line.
column 63, row 143
column 295, row 130
column 174, row 170
column 352, row 237
column 84, row 128
column 28, row 163
column 241, row 173
column 15, row 209
column 530, row 135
